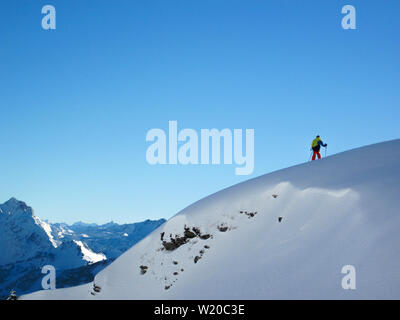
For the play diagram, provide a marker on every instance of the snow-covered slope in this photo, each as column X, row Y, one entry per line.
column 284, row 235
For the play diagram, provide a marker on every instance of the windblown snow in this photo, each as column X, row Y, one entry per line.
column 284, row 235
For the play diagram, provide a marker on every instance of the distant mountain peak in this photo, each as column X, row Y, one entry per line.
column 12, row 199
column 109, row 224
column 15, row 202
column 14, row 205
column 84, row 224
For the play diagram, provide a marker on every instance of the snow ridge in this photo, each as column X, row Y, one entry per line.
column 284, row 235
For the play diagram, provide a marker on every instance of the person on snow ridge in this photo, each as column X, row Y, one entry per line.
column 316, row 146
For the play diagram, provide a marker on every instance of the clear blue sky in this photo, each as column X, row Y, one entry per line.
column 77, row 102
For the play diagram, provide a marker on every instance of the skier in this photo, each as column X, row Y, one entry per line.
column 316, row 146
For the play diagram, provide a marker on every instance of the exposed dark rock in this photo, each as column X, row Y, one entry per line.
column 175, row 273
column 196, row 231
column 162, row 236
column 222, row 228
column 178, row 241
column 275, row 196
column 175, row 262
column 249, row 214
column 96, row 288
column 174, row 243
column 169, row 246
column 205, row 236
column 167, row 287
column 280, row 219
column 207, row 247
column 196, row 258
column 143, row 269
column 189, row 234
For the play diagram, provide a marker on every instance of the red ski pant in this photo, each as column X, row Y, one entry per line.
column 316, row 153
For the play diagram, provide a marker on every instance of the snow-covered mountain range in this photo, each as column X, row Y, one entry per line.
column 285, row 235
column 27, row 244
